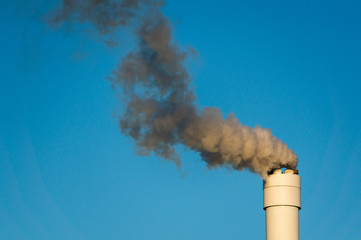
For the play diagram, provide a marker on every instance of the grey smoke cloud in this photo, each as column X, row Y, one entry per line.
column 160, row 105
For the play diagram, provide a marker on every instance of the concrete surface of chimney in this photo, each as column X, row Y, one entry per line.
column 282, row 201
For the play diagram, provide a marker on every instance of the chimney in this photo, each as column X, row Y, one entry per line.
column 282, row 201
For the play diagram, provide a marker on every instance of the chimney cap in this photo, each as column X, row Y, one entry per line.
column 279, row 171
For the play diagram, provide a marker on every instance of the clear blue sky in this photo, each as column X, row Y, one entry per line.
column 66, row 171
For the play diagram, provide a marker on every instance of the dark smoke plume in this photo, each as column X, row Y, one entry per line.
column 160, row 111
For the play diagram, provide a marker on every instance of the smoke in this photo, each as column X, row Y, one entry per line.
column 160, row 108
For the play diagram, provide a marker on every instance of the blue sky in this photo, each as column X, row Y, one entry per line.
column 66, row 171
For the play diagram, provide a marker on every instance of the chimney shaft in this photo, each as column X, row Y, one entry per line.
column 282, row 201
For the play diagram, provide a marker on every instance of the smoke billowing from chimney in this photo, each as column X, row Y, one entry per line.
column 160, row 105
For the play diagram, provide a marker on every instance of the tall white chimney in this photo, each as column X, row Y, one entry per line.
column 282, row 201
